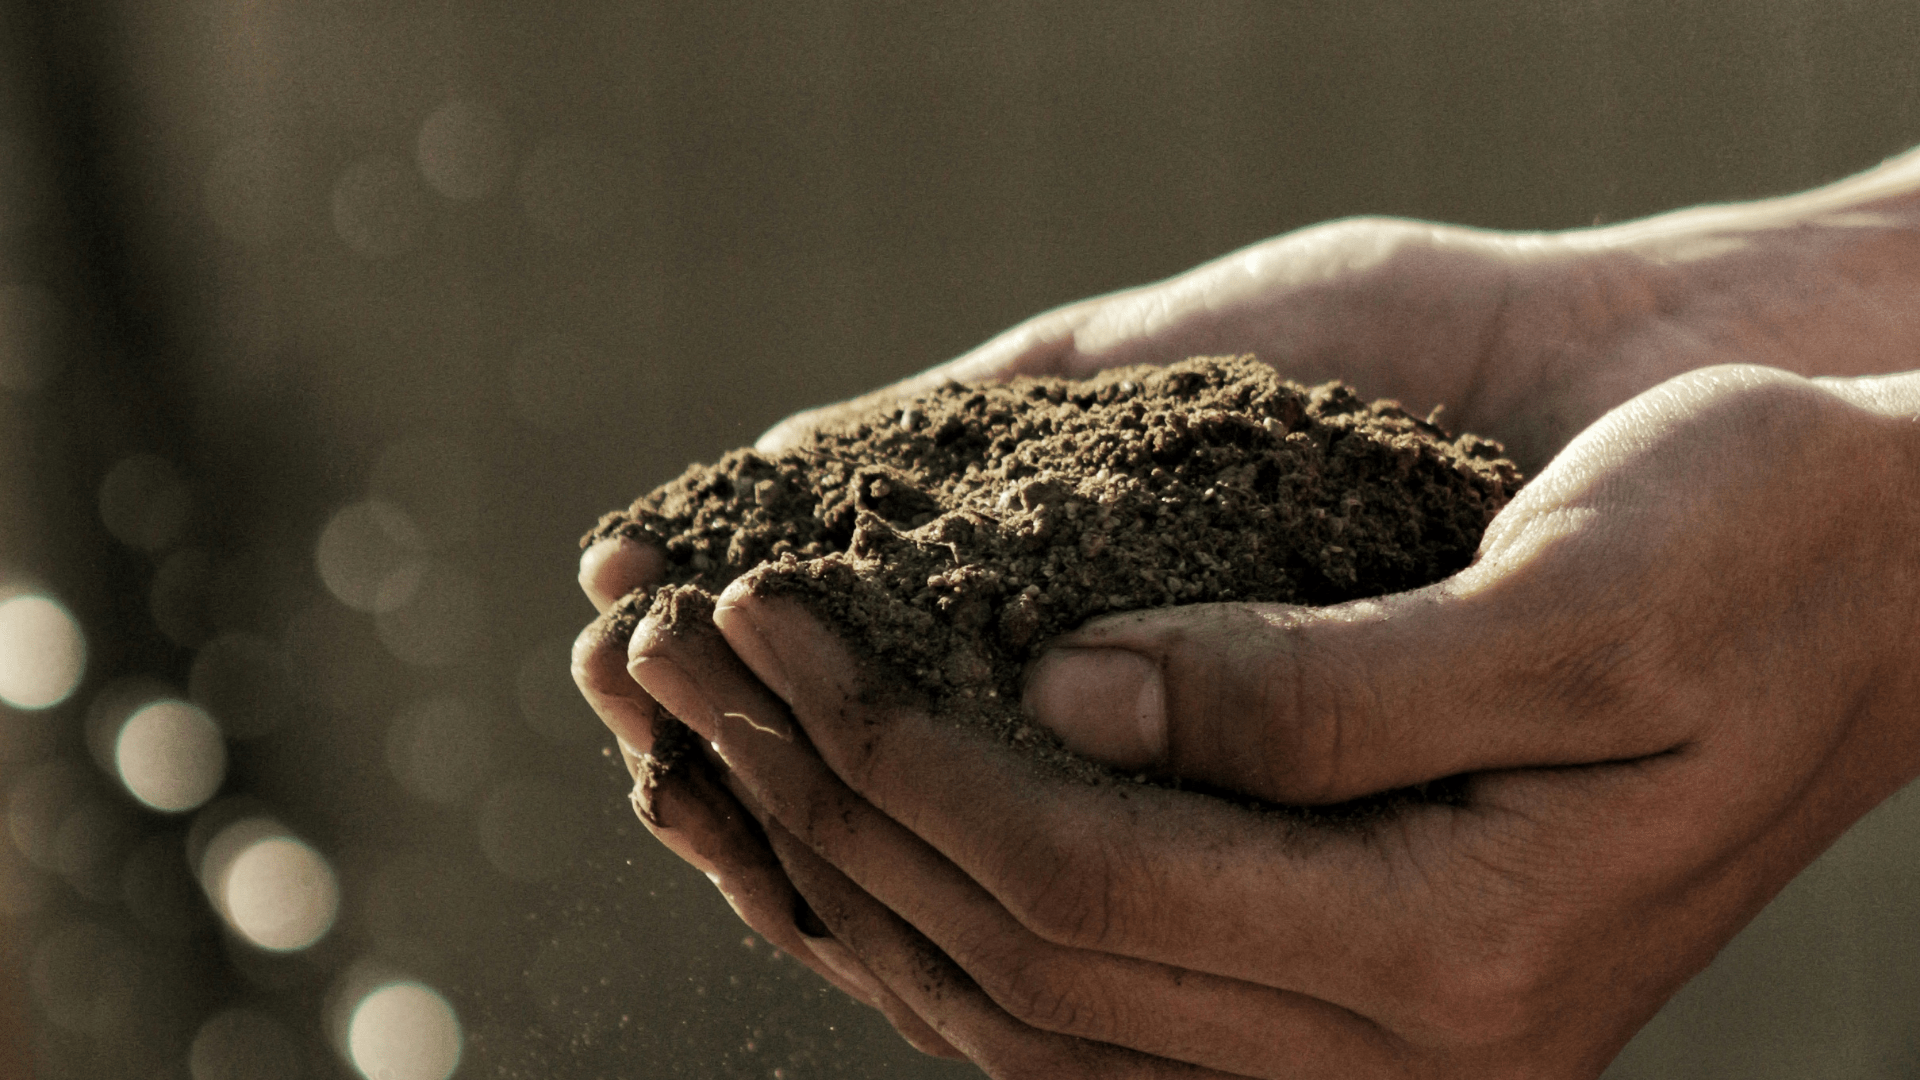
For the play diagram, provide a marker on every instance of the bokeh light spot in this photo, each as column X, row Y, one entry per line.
column 404, row 1031
column 439, row 749
column 378, row 208
column 170, row 756
column 108, row 709
column 42, row 652
column 462, row 150
column 144, row 502
column 280, row 894
column 368, row 553
column 240, row 1044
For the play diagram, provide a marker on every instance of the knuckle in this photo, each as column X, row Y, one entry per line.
column 1308, row 697
column 1068, row 901
column 1494, row 996
column 860, row 760
column 1047, row 992
column 816, row 814
column 1610, row 674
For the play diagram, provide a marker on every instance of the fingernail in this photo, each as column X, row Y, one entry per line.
column 1105, row 704
column 612, row 567
column 686, row 699
column 846, row 965
column 629, row 755
column 669, row 685
column 630, row 720
column 624, row 708
column 750, row 642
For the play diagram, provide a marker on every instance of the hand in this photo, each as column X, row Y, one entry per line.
column 1671, row 679
column 698, row 810
column 1527, row 337
column 1320, row 281
column 1522, row 337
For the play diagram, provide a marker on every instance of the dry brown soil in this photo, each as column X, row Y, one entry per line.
column 948, row 538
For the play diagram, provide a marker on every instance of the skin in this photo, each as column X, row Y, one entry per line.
column 1678, row 668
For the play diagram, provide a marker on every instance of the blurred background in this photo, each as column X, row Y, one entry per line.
column 327, row 327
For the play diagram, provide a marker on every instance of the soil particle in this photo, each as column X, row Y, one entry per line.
column 948, row 538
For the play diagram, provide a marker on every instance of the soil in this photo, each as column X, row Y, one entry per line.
column 949, row 537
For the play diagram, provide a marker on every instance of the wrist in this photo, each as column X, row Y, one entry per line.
column 1818, row 283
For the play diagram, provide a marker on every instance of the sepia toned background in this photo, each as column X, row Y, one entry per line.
column 327, row 326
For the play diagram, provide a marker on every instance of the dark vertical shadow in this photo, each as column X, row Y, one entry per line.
column 117, row 387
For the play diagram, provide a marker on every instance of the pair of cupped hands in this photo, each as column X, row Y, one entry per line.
column 1680, row 665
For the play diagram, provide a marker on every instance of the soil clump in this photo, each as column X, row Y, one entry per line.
column 947, row 538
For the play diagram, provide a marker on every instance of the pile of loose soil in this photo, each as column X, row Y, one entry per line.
column 947, row 538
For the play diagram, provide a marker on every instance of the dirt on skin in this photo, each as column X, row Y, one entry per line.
column 948, row 538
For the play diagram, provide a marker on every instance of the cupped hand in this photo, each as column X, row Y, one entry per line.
column 1526, row 337
column 1316, row 296
column 1676, row 672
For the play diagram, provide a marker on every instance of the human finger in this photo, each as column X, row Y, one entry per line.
column 653, row 743
column 708, row 820
column 599, row 667
column 675, row 792
column 1572, row 640
column 906, row 1023
column 822, row 952
column 1583, row 633
column 685, row 807
column 1170, row 1012
column 1400, row 308
column 678, row 798
column 1465, row 918
column 937, row 989
column 1122, row 868
column 614, row 566
column 1316, row 706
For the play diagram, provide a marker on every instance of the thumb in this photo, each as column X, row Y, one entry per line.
column 1321, row 705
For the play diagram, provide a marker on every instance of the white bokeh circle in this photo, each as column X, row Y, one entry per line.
column 404, row 1031
column 280, row 894
column 170, row 755
column 42, row 652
